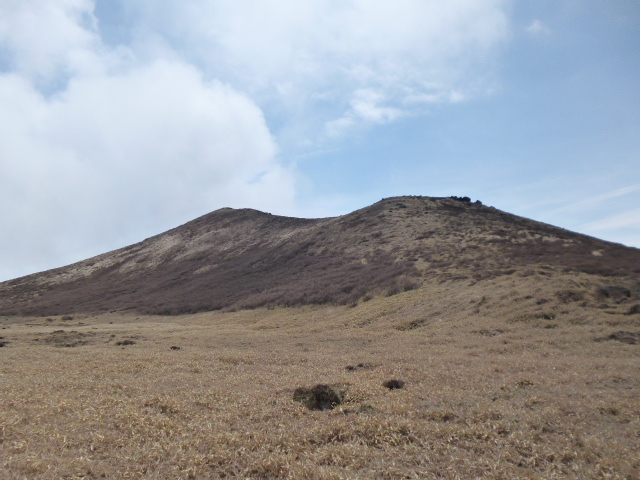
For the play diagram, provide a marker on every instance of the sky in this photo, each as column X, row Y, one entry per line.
column 120, row 120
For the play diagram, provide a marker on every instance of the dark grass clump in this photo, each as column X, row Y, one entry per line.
column 568, row 296
column 614, row 292
column 630, row 338
column 123, row 343
column 321, row 397
column 634, row 309
column 393, row 384
column 360, row 366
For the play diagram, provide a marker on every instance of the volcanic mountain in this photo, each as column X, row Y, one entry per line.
column 239, row 259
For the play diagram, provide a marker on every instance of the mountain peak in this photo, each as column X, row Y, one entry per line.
column 244, row 258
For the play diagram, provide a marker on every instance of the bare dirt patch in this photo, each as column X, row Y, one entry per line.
column 67, row 338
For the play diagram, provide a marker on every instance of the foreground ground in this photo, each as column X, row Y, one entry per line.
column 501, row 382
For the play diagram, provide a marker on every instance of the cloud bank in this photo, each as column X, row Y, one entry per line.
column 320, row 59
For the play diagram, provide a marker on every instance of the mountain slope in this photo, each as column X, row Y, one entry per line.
column 246, row 258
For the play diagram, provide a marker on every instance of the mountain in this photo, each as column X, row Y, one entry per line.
column 238, row 259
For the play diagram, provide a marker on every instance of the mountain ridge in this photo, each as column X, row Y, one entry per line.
column 244, row 258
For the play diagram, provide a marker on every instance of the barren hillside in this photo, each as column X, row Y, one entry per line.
column 246, row 259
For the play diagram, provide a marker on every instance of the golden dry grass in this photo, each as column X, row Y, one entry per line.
column 499, row 385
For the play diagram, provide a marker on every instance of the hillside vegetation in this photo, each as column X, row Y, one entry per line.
column 239, row 259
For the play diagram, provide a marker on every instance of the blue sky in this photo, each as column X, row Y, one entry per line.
column 123, row 119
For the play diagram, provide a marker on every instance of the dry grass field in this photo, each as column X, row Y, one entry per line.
column 504, row 379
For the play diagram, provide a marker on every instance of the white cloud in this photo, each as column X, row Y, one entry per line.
column 163, row 132
column 622, row 220
column 367, row 107
column 47, row 39
column 591, row 202
column 367, row 104
column 324, row 54
column 622, row 227
column 536, row 27
column 618, row 192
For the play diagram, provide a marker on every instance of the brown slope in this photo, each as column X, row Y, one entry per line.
column 245, row 258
